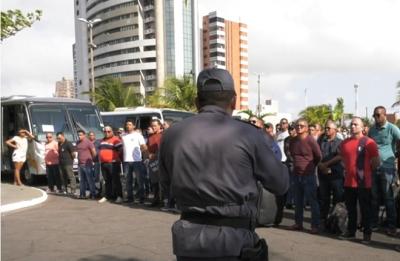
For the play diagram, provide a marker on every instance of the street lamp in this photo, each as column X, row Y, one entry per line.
column 90, row 24
column 258, row 93
column 356, row 99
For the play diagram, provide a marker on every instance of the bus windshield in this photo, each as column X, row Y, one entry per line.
column 49, row 118
column 86, row 119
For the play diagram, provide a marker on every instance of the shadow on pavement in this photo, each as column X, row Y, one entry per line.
column 107, row 258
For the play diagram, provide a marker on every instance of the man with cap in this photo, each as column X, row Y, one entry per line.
column 212, row 163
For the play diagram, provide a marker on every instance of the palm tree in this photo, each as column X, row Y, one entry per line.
column 338, row 111
column 317, row 114
column 177, row 93
column 110, row 93
column 398, row 95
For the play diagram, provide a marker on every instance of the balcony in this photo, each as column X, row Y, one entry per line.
column 149, row 31
column 150, row 77
column 149, row 19
column 148, row 8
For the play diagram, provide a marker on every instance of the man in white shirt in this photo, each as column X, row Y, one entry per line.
column 282, row 135
column 134, row 145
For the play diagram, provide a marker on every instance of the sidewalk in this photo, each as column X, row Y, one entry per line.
column 17, row 197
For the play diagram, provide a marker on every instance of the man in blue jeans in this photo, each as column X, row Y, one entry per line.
column 330, row 170
column 306, row 155
column 385, row 134
column 133, row 146
column 86, row 152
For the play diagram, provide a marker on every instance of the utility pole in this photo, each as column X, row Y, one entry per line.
column 90, row 24
column 356, row 99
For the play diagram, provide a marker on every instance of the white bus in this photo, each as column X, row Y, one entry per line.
column 39, row 116
column 142, row 116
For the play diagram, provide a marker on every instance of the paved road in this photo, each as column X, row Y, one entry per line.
column 68, row 229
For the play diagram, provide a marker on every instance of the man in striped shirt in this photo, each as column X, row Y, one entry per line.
column 110, row 152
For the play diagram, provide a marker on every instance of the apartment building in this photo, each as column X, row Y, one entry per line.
column 225, row 46
column 141, row 42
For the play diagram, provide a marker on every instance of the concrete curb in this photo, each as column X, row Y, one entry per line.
column 24, row 204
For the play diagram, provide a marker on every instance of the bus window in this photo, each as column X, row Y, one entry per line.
column 50, row 118
column 145, row 119
column 176, row 116
column 117, row 121
column 86, row 119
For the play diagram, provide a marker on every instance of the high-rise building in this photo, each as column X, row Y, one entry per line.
column 65, row 88
column 225, row 46
column 141, row 42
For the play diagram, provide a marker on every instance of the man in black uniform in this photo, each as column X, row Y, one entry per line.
column 212, row 163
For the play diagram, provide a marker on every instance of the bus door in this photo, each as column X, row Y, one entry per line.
column 14, row 117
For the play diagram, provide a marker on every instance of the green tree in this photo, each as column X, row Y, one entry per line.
column 13, row 21
column 398, row 95
column 317, row 114
column 338, row 110
column 177, row 93
column 110, row 93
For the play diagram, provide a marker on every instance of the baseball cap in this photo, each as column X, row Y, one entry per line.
column 214, row 79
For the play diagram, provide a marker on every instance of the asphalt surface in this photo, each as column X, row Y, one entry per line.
column 63, row 228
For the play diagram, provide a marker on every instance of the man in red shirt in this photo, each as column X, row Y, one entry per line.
column 153, row 145
column 110, row 151
column 357, row 181
column 306, row 155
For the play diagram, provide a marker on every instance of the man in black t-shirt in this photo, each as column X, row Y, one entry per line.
column 66, row 156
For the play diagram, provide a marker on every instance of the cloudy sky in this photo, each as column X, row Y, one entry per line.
column 322, row 46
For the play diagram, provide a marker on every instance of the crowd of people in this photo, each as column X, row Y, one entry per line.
column 328, row 165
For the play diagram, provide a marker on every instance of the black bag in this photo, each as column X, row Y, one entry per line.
column 257, row 253
column 360, row 162
column 336, row 223
column 266, row 207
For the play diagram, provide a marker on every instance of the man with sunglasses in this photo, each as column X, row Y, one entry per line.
column 306, row 155
column 385, row 134
column 110, row 154
column 330, row 170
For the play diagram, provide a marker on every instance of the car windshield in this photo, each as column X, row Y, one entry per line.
column 49, row 118
column 86, row 119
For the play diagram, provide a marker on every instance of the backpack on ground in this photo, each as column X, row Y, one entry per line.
column 336, row 222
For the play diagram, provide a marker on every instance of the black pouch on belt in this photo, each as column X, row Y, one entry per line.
column 257, row 253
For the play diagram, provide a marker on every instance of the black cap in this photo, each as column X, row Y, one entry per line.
column 214, row 79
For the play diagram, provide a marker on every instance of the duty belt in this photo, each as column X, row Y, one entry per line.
column 214, row 220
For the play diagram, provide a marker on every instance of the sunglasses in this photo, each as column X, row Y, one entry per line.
column 300, row 126
column 376, row 115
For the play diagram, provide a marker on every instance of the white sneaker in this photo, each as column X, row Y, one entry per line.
column 118, row 200
column 102, row 200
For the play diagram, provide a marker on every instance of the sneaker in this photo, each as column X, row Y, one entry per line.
column 118, row 200
column 129, row 200
column 348, row 236
column 366, row 239
column 165, row 209
column 102, row 200
column 296, row 227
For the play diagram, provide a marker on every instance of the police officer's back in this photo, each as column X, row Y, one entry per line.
column 212, row 163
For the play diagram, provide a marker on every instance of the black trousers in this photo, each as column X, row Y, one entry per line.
column 364, row 197
column 112, row 176
column 53, row 176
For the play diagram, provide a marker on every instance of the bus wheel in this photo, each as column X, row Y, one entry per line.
column 27, row 177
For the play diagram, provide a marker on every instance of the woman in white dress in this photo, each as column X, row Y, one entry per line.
column 20, row 145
